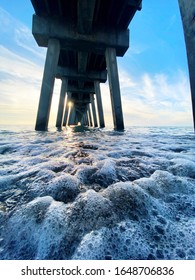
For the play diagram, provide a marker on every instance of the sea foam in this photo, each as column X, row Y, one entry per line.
column 97, row 194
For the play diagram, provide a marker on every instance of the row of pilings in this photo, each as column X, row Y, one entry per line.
column 83, row 39
column 81, row 98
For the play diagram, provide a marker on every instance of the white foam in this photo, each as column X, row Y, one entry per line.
column 96, row 195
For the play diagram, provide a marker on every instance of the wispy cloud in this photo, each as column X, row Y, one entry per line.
column 25, row 40
column 18, row 38
column 20, row 71
column 18, row 66
column 156, row 99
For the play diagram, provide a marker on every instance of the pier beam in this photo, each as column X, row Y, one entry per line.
column 63, row 91
column 187, row 10
column 99, row 103
column 51, row 62
column 115, row 95
column 93, row 110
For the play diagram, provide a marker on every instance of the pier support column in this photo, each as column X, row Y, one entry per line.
column 51, row 62
column 89, row 114
column 93, row 110
column 61, row 102
column 83, row 120
column 112, row 69
column 99, row 103
column 66, row 109
column 72, row 116
column 187, row 10
column 76, row 118
column 87, row 119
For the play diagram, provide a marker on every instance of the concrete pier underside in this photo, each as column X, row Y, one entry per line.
column 83, row 39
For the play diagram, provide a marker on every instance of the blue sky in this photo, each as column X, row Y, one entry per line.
column 153, row 73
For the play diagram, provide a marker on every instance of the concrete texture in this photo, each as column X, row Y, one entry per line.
column 51, row 62
column 45, row 28
column 60, row 113
column 99, row 104
column 93, row 111
column 114, row 88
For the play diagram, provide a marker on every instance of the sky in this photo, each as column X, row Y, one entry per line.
column 153, row 73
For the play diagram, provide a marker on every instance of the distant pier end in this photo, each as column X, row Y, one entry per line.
column 83, row 39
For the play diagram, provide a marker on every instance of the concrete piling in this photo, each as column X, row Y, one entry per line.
column 51, row 63
column 93, row 111
column 61, row 102
column 89, row 114
column 99, row 104
column 72, row 116
column 66, row 111
column 115, row 95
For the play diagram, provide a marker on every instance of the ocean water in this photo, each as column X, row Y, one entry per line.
column 97, row 193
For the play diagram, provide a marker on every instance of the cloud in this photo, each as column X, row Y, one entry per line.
column 158, row 99
column 18, row 66
column 20, row 73
column 152, row 99
column 25, row 40
column 18, row 38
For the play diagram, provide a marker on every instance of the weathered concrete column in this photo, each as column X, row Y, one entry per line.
column 72, row 115
column 112, row 69
column 66, row 109
column 76, row 120
column 99, row 103
column 63, row 91
column 87, row 119
column 93, row 110
column 51, row 62
column 89, row 114
column 187, row 9
column 83, row 120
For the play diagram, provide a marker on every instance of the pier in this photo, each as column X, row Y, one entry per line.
column 83, row 40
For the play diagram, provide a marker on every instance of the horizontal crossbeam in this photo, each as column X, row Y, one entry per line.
column 89, row 76
column 45, row 28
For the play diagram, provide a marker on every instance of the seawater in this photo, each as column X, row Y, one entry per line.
column 97, row 193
